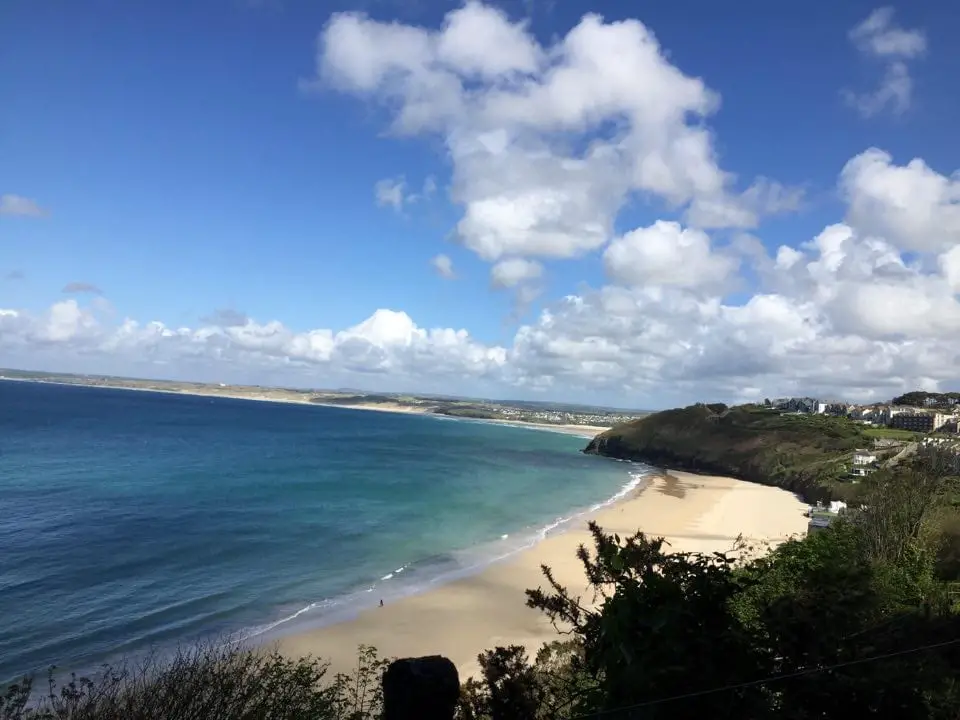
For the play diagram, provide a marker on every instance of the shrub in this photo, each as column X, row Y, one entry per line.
column 211, row 682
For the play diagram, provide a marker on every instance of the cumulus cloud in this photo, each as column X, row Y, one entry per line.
column 514, row 271
column 77, row 288
column 514, row 120
column 880, row 39
column 444, row 266
column 19, row 205
column 911, row 205
column 665, row 254
column 386, row 343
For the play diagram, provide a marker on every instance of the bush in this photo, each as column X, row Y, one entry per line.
column 212, row 682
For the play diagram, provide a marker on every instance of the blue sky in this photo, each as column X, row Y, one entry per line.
column 190, row 158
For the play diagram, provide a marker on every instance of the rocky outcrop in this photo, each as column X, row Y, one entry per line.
column 424, row 688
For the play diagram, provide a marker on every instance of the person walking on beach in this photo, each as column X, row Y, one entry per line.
column 381, row 602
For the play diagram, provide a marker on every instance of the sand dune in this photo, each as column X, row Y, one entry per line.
column 461, row 619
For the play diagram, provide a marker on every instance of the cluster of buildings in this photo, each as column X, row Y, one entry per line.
column 561, row 417
column 929, row 419
column 937, row 416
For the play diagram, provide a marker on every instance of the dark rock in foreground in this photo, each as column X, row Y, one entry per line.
column 424, row 688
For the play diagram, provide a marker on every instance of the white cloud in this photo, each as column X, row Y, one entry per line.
column 18, row 205
column 393, row 192
column 514, row 123
column 388, row 342
column 878, row 36
column 390, row 193
column 665, row 254
column 880, row 39
column 514, row 271
column 912, row 205
column 444, row 266
column 470, row 35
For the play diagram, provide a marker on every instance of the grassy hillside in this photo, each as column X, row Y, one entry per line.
column 802, row 453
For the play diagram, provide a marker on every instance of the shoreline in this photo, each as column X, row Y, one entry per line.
column 470, row 614
column 347, row 607
column 585, row 431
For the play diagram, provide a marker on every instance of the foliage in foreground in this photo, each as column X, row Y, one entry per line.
column 849, row 622
column 212, row 682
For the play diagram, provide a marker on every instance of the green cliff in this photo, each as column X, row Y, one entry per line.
column 806, row 454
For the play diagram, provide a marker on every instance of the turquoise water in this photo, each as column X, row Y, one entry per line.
column 131, row 520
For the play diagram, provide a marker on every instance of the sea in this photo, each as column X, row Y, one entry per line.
column 135, row 521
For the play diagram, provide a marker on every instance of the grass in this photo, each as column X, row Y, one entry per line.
column 886, row 433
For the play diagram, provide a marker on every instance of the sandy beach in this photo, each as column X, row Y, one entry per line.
column 463, row 618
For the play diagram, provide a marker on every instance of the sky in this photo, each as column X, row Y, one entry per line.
column 629, row 204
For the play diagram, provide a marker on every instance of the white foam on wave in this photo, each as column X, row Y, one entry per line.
column 537, row 536
column 636, row 478
column 261, row 629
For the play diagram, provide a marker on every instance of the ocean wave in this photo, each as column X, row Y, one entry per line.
column 429, row 572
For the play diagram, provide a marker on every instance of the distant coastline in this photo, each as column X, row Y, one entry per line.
column 280, row 395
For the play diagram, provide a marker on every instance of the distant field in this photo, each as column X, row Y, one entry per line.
column 889, row 433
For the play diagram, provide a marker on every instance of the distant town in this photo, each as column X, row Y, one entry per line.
column 917, row 422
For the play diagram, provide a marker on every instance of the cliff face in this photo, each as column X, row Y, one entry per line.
column 801, row 453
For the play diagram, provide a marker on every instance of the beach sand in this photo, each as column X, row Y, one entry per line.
column 463, row 618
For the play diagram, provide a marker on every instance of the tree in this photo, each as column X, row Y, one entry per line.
column 832, row 625
column 664, row 625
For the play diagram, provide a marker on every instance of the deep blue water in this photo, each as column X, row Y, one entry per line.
column 136, row 519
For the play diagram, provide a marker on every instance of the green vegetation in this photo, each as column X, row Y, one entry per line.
column 917, row 398
column 467, row 411
column 848, row 622
column 885, row 433
column 207, row 683
column 806, row 454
